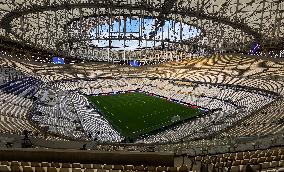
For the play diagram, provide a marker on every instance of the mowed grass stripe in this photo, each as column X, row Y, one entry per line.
column 134, row 114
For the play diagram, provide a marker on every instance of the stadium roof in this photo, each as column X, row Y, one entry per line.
column 224, row 23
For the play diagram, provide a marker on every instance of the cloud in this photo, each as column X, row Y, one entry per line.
column 169, row 31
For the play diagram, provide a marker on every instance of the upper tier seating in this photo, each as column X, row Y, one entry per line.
column 24, row 87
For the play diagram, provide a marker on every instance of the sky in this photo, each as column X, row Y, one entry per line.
column 168, row 31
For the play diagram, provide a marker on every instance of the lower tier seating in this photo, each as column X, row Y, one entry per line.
column 77, row 167
column 270, row 160
column 259, row 160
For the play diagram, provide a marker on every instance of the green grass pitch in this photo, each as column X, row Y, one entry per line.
column 134, row 114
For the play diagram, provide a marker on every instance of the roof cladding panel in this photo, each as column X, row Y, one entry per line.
column 43, row 23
